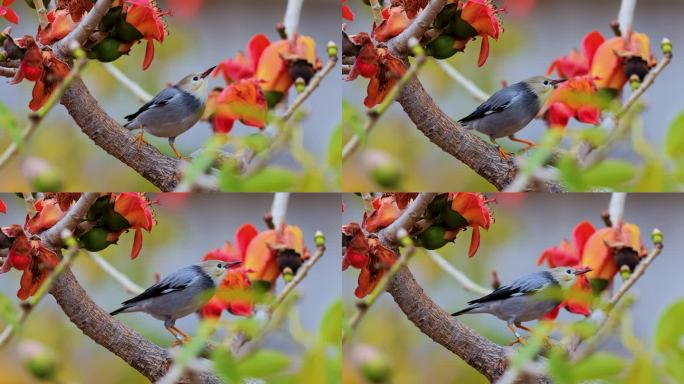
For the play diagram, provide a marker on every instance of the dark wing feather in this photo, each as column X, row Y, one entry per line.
column 175, row 281
column 526, row 285
column 499, row 101
column 161, row 99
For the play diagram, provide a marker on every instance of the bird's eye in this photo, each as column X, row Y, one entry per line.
column 195, row 78
column 568, row 271
column 546, row 82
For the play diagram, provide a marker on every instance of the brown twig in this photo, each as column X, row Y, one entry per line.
column 85, row 28
column 42, row 13
column 53, row 236
column 422, row 22
column 407, row 219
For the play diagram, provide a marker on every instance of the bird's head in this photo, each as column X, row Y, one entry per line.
column 567, row 276
column 196, row 83
column 542, row 86
column 216, row 269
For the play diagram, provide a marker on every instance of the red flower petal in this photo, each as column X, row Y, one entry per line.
column 137, row 243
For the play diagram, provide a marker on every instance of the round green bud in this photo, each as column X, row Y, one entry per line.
column 387, row 175
column 452, row 219
column 127, row 32
column 48, row 181
column 114, row 221
column 107, row 50
column 111, row 19
column 42, row 366
column 377, row 370
column 95, row 240
column 442, row 47
column 433, row 237
column 461, row 30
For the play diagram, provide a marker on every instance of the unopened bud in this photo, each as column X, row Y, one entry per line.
column 666, row 46
column 319, row 239
column 300, row 85
column 657, row 237
column 634, row 82
column 332, row 49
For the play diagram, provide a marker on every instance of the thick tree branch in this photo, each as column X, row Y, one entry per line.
column 476, row 350
column 53, row 236
column 407, row 219
column 418, row 27
column 85, row 28
column 108, row 134
column 144, row 356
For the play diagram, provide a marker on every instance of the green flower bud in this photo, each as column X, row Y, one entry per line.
column 95, row 240
column 107, row 50
column 332, row 49
column 442, row 47
column 127, row 32
column 666, row 46
column 114, row 221
column 319, row 239
column 433, row 237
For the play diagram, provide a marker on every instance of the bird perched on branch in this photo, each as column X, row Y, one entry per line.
column 510, row 109
column 179, row 294
column 523, row 299
column 173, row 111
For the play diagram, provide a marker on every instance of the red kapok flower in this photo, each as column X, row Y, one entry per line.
column 379, row 262
column 568, row 254
column 389, row 71
column 19, row 256
column 135, row 208
column 273, row 68
column 147, row 18
column 473, row 208
column 261, row 260
column 356, row 248
column 578, row 63
column 244, row 66
column 48, row 213
column 3, row 207
column 394, row 22
column 608, row 65
column 31, row 66
column 578, row 98
column 366, row 63
column 482, row 16
column 346, row 12
column 60, row 24
column 236, row 280
column 7, row 12
column 242, row 100
column 385, row 212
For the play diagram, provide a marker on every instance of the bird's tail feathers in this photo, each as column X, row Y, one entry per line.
column 124, row 309
column 465, row 310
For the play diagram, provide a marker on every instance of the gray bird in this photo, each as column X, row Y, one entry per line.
column 510, row 109
column 523, row 299
column 173, row 111
column 179, row 294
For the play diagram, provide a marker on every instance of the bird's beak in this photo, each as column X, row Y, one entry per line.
column 207, row 72
column 231, row 264
column 559, row 81
column 582, row 271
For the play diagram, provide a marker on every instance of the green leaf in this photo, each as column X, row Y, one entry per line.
column 335, row 148
column 9, row 123
column 609, row 174
column 313, row 369
column 228, row 181
column 670, row 328
column 598, row 366
column 641, row 370
column 263, row 363
column 330, row 329
column 225, row 365
column 674, row 141
column 270, row 179
column 352, row 119
column 570, row 174
column 8, row 312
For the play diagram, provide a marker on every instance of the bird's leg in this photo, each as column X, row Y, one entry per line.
column 529, row 144
column 185, row 336
column 140, row 139
column 172, row 141
column 172, row 329
column 547, row 340
column 503, row 153
column 519, row 339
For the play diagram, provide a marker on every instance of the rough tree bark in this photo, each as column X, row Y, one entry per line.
column 159, row 169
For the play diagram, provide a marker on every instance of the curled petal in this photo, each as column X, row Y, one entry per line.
column 137, row 243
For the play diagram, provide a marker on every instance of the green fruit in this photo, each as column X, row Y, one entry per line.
column 98, row 208
column 47, row 181
column 95, row 240
column 437, row 205
column 33, row 6
column 598, row 285
column 387, row 175
column 114, row 221
column 107, row 50
column 452, row 219
column 433, row 237
column 273, row 98
column 461, row 30
column 42, row 366
column 127, row 32
column 448, row 13
column 377, row 370
column 442, row 47
column 111, row 19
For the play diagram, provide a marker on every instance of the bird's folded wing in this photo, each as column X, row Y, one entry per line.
column 161, row 99
column 529, row 285
column 174, row 282
column 497, row 103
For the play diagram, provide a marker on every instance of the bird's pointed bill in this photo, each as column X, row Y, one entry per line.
column 208, row 71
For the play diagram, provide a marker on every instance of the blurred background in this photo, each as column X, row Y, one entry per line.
column 525, row 225
column 217, row 32
column 535, row 33
column 188, row 227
